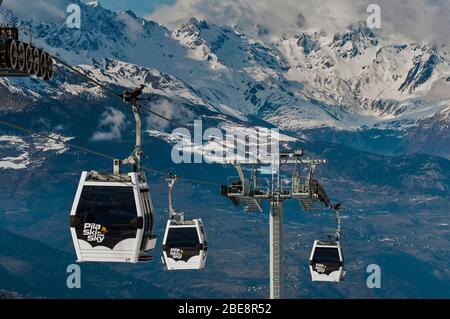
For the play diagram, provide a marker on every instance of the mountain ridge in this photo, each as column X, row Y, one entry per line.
column 348, row 80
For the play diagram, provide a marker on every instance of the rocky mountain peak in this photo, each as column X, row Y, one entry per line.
column 354, row 41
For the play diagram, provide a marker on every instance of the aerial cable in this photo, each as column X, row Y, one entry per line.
column 81, row 148
column 88, row 150
column 119, row 95
column 94, row 152
column 149, row 110
column 190, row 180
column 116, row 94
column 87, row 77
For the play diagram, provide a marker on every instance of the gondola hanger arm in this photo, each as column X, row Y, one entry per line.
column 337, row 210
column 171, row 180
column 134, row 158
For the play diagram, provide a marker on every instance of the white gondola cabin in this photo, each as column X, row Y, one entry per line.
column 112, row 218
column 185, row 245
column 326, row 261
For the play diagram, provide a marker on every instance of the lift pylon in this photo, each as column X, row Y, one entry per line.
column 276, row 249
column 306, row 189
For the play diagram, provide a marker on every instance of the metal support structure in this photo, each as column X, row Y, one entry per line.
column 135, row 157
column 171, row 180
column 245, row 184
column 337, row 211
column 276, row 249
column 306, row 190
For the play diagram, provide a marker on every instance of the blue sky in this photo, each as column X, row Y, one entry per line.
column 140, row 7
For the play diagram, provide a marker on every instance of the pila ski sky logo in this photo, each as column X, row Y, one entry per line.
column 94, row 232
column 176, row 253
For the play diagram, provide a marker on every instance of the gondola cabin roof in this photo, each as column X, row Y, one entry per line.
column 184, row 223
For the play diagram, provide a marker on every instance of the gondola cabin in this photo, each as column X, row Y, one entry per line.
column 185, row 245
column 112, row 218
column 326, row 262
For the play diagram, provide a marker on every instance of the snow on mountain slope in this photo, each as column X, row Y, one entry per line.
column 125, row 75
column 20, row 153
column 348, row 80
column 116, row 74
column 357, row 72
column 221, row 149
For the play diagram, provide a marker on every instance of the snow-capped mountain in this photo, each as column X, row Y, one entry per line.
column 356, row 88
column 354, row 79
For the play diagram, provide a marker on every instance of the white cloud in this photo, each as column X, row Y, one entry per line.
column 421, row 20
column 133, row 27
column 440, row 91
column 170, row 111
column 48, row 10
column 114, row 120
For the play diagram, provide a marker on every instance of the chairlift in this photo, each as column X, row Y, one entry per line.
column 185, row 244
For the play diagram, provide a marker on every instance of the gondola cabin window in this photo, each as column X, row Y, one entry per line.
column 183, row 237
column 326, row 255
column 106, row 214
